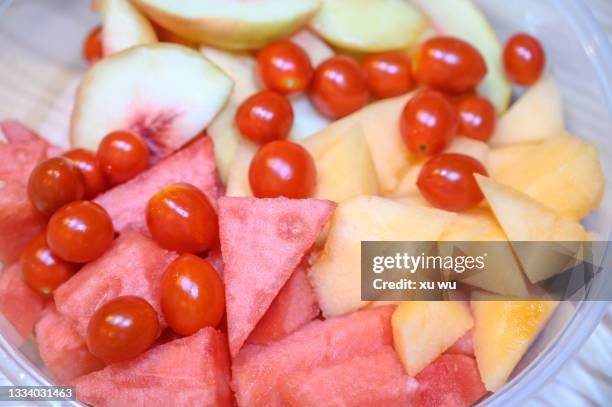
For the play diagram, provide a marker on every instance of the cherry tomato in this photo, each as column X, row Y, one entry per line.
column 284, row 67
column 181, row 218
column 524, row 59
column 92, row 47
column 42, row 270
column 477, row 118
column 122, row 329
column 86, row 161
column 449, row 65
column 264, row 117
column 53, row 183
column 388, row 74
column 428, row 123
column 192, row 295
column 122, row 155
column 447, row 182
column 339, row 87
column 80, row 232
column 282, row 168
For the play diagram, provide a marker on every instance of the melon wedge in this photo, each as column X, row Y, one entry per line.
column 238, row 183
column 505, row 157
column 13, row 131
column 317, row 49
column 277, row 233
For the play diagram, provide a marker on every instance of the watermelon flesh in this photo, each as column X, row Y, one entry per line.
column 450, row 381
column 62, row 349
column 258, row 371
column 132, row 266
column 295, row 306
column 192, row 371
column 16, row 132
column 262, row 243
column 374, row 380
column 463, row 346
column 19, row 304
column 194, row 165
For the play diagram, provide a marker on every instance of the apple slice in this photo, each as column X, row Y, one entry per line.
column 370, row 25
column 462, row 19
column 230, row 24
column 123, row 26
column 238, row 180
column 536, row 116
column 167, row 93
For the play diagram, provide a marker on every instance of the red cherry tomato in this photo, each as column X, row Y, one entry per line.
column 428, row 123
column 42, row 270
column 122, row 155
column 477, row 118
column 92, row 47
column 447, row 182
column 86, row 161
column 192, row 295
column 284, row 67
column 53, row 183
column 388, row 74
column 282, row 168
column 449, row 65
column 524, row 59
column 80, row 232
column 339, row 87
column 122, row 329
column 181, row 218
column 264, row 117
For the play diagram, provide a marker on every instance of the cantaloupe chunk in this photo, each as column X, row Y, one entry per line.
column 238, row 183
column 336, row 274
column 504, row 157
column 503, row 330
column 423, row 330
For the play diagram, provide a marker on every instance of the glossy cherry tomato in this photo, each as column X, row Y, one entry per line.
column 86, row 161
column 192, row 295
column 524, row 59
column 449, row 65
column 181, row 218
column 42, row 270
column 388, row 74
column 447, row 182
column 282, row 168
column 92, row 47
column 53, row 183
column 477, row 118
column 122, row 329
column 284, row 67
column 80, row 232
column 339, row 87
column 264, row 117
column 428, row 122
column 122, row 155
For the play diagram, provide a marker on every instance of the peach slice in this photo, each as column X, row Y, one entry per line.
column 167, row 93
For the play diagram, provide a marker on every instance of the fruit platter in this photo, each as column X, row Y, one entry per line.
column 199, row 243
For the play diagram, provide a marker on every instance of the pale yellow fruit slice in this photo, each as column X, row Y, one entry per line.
column 238, row 180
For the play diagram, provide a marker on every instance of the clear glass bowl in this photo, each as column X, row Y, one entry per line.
column 45, row 37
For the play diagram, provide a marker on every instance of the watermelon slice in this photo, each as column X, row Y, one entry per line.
column 294, row 306
column 132, row 266
column 62, row 349
column 192, row 371
column 21, row 305
column 127, row 203
column 262, row 243
column 463, row 346
column 258, row 370
column 450, row 381
column 374, row 380
column 16, row 132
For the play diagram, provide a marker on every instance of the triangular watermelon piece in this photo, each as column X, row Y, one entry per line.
column 258, row 371
column 294, row 306
column 262, row 242
column 62, row 349
column 195, row 165
column 132, row 266
column 192, row 371
column 463, row 346
column 15, row 132
column 377, row 379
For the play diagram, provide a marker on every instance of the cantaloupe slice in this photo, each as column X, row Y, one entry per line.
column 238, row 179
column 505, row 157
column 423, row 330
column 503, row 330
